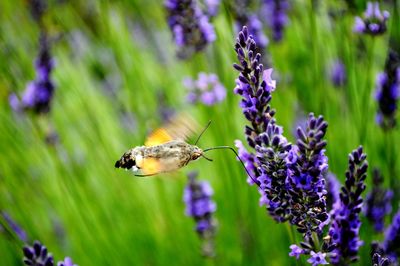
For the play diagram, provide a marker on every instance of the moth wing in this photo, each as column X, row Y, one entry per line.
column 154, row 166
column 150, row 166
column 179, row 127
column 157, row 137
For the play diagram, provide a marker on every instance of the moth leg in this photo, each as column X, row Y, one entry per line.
column 145, row 175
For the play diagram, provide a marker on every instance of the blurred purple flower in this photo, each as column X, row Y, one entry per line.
column 373, row 22
column 67, row 262
column 378, row 202
column 332, row 186
column 338, row 73
column 345, row 226
column 388, row 91
column 197, row 197
column 190, row 27
column 206, row 89
column 391, row 242
column 38, row 93
column 21, row 234
column 212, row 7
column 275, row 14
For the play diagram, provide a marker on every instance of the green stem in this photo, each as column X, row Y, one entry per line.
column 366, row 94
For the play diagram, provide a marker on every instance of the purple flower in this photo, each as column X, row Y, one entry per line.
column 317, row 258
column 67, row 262
column 378, row 202
column 388, row 91
column 306, row 184
column 38, row 93
column 190, row 27
column 212, row 7
column 338, row 74
column 275, row 13
column 255, row 85
column 37, row 255
column 332, row 186
column 249, row 160
column 21, row 234
column 296, row 251
column 391, row 242
column 206, row 89
column 37, row 9
column 373, row 22
column 378, row 256
column 345, row 226
column 197, row 197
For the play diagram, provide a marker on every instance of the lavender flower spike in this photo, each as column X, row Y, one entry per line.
column 197, row 197
column 37, row 255
column 388, row 91
column 275, row 12
column 377, row 204
column 190, row 27
column 38, row 93
column 373, row 22
column 391, row 245
column 206, row 89
column 306, row 184
column 255, row 85
column 345, row 226
column 21, row 234
column 338, row 74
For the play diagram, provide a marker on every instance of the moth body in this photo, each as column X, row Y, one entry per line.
column 166, row 157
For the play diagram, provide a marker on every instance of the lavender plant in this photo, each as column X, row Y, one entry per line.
column 207, row 89
column 338, row 73
column 391, row 242
column 378, row 256
column 269, row 166
column 373, row 22
column 245, row 16
column 37, row 255
column 197, row 197
column 275, row 13
column 378, row 202
column 13, row 226
column 345, row 226
column 38, row 93
column 388, row 91
column 190, row 27
column 305, row 183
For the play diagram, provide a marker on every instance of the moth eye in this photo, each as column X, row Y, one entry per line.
column 195, row 156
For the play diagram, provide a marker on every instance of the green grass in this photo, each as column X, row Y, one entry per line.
column 70, row 197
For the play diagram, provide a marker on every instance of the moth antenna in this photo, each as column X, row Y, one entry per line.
column 237, row 155
column 198, row 138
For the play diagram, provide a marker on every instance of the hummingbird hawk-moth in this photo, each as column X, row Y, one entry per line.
column 166, row 150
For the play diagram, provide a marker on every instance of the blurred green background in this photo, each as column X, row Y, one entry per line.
column 115, row 71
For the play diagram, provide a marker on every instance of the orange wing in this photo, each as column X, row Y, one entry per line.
column 149, row 166
column 179, row 127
